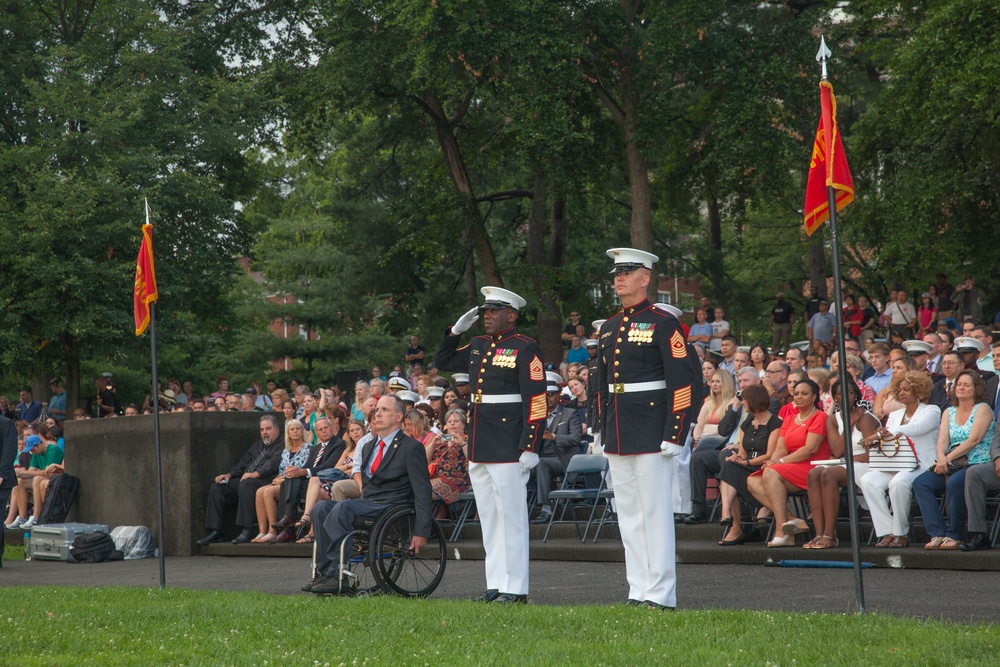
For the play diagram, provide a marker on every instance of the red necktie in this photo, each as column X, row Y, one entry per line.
column 378, row 457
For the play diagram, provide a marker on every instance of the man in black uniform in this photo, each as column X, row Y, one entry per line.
column 647, row 404
column 507, row 376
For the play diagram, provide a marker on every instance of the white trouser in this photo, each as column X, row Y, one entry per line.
column 502, row 503
column 891, row 516
column 682, row 478
column 644, row 490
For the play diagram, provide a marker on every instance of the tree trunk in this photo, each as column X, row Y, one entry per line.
column 459, row 173
column 549, row 313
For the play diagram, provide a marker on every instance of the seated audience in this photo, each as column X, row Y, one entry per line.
column 920, row 422
column 886, row 400
column 448, row 459
column 334, row 483
column 43, row 455
column 560, row 442
column 826, row 481
column 757, row 438
column 801, row 440
column 323, row 456
column 295, row 454
column 255, row 469
column 964, row 439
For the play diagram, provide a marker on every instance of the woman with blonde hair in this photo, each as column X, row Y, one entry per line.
column 361, row 394
column 721, row 394
column 296, row 454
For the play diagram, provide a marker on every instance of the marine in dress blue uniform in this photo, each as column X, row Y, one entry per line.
column 646, row 383
column 507, row 380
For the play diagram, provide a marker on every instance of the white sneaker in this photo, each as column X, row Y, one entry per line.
column 29, row 523
column 16, row 523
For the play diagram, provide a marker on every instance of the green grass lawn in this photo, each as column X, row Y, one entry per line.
column 119, row 626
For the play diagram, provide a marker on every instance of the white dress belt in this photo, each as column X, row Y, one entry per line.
column 496, row 398
column 631, row 387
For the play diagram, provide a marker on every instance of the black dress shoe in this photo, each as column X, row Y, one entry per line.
column 489, row 596
column 243, row 538
column 542, row 518
column 977, row 543
column 696, row 518
column 632, row 602
column 508, row 598
column 332, row 586
column 213, row 536
column 660, row 607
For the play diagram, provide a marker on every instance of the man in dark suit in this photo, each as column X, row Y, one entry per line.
column 8, row 452
column 393, row 470
column 323, row 455
column 507, row 421
column 256, row 468
column 560, row 441
column 952, row 364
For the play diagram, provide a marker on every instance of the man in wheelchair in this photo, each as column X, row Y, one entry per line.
column 393, row 471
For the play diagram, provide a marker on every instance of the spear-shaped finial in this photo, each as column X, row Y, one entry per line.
column 147, row 209
column 823, row 55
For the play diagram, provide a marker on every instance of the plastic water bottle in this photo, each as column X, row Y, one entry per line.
column 27, row 546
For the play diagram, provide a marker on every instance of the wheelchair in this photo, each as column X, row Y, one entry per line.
column 381, row 560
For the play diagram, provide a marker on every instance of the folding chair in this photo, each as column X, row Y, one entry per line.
column 607, row 495
column 468, row 501
column 574, row 491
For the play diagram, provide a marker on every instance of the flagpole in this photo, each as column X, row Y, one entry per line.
column 156, row 437
column 842, row 376
column 155, row 393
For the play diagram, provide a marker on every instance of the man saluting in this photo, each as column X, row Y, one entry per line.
column 507, row 379
column 647, row 402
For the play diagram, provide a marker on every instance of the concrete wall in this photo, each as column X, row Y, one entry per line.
column 115, row 460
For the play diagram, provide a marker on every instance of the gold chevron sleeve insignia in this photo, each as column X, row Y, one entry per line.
column 682, row 399
column 536, row 369
column 678, row 350
column 539, row 409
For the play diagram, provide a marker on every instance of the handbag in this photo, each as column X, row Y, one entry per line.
column 895, row 454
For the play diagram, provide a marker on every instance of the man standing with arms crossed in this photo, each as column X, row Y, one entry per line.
column 508, row 416
column 646, row 382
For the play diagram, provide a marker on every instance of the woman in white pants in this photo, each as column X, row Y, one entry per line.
column 920, row 422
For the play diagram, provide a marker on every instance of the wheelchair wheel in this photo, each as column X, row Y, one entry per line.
column 395, row 568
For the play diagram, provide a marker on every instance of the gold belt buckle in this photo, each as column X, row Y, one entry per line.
column 477, row 398
column 619, row 387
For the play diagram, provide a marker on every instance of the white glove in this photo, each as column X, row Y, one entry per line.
column 465, row 322
column 527, row 461
column 670, row 450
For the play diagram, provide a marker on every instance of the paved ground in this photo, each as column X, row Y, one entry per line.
column 958, row 596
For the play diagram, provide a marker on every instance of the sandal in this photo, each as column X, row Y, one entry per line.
column 794, row 527
column 269, row 538
column 308, row 539
column 899, row 542
column 826, row 542
column 949, row 544
column 786, row 541
column 304, row 521
column 258, row 539
column 886, row 541
column 934, row 544
column 811, row 544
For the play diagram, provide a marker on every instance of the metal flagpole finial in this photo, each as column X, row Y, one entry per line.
column 823, row 55
column 146, row 199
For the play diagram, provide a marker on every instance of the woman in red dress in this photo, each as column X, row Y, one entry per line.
column 801, row 440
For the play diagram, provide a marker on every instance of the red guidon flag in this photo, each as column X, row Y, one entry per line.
column 145, row 281
column 828, row 167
